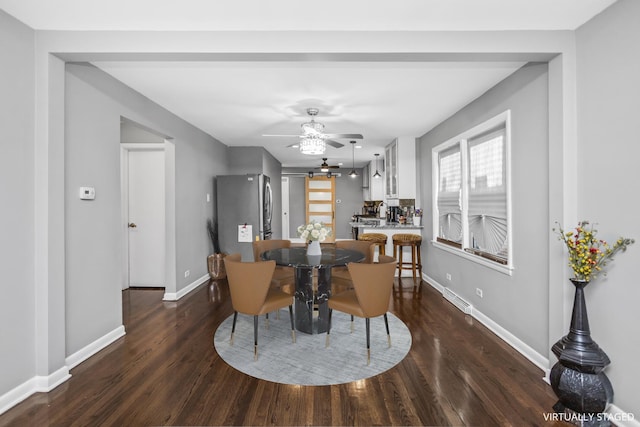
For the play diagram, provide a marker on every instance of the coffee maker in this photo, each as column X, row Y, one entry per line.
column 393, row 213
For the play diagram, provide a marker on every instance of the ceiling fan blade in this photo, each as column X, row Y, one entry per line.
column 293, row 136
column 334, row 144
column 344, row 135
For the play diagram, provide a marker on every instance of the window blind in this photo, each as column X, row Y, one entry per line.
column 487, row 212
column 449, row 192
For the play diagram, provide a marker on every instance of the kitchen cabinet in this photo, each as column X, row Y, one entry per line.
column 391, row 170
column 400, row 168
column 372, row 188
column 366, row 193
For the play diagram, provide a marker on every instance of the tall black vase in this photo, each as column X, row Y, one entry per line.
column 583, row 390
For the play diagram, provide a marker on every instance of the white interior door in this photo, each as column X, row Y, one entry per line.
column 146, row 178
column 285, row 208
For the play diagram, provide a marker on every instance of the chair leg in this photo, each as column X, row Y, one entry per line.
column 293, row 331
column 400, row 262
column 266, row 321
column 233, row 328
column 255, row 337
column 386, row 325
column 326, row 342
column 352, row 323
column 419, row 265
column 368, row 341
column 413, row 262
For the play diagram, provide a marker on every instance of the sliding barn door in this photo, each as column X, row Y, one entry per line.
column 321, row 202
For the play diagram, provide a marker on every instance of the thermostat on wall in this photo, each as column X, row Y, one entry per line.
column 87, row 193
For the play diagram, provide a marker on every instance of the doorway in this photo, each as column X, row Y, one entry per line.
column 144, row 201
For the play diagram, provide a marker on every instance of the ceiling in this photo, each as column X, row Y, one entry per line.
column 238, row 102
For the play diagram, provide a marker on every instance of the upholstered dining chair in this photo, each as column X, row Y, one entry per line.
column 249, row 286
column 340, row 277
column 283, row 276
column 372, row 285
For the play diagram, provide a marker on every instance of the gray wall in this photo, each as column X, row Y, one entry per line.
column 349, row 192
column 297, row 214
column 94, row 104
column 608, row 191
column 518, row 303
column 17, row 316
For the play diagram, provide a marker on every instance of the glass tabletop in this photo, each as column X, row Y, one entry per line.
column 297, row 257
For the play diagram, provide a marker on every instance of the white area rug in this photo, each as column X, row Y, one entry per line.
column 308, row 362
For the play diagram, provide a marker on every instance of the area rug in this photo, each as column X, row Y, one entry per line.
column 308, row 361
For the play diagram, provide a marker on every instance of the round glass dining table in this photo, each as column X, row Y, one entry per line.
column 312, row 281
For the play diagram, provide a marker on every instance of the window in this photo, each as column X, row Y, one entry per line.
column 471, row 193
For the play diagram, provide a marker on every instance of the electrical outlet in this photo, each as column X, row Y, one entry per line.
column 187, row 273
column 479, row 292
column 448, row 277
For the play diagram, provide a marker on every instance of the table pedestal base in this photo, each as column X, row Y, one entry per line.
column 313, row 289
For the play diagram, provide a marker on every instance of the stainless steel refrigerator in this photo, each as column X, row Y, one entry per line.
column 245, row 208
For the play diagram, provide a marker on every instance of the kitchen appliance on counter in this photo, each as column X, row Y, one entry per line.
column 394, row 213
column 245, row 208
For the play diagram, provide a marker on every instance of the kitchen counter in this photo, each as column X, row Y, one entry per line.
column 388, row 226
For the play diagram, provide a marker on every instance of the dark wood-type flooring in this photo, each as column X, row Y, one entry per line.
column 165, row 371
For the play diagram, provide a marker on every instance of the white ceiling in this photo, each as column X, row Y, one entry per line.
column 238, row 102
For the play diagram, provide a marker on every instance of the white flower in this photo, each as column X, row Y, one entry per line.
column 313, row 231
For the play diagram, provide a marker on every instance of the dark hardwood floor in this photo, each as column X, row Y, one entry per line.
column 165, row 371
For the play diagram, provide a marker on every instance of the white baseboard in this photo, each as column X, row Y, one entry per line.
column 37, row 384
column 622, row 418
column 536, row 358
column 175, row 296
column 86, row 352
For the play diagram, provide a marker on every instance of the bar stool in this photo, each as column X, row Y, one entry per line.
column 413, row 241
column 378, row 239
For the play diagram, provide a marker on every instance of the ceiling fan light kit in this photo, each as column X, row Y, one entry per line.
column 313, row 140
column 312, row 145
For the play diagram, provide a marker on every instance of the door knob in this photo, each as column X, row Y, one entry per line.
column 132, row 225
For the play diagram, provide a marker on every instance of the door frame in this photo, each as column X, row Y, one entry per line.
column 285, row 208
column 169, row 209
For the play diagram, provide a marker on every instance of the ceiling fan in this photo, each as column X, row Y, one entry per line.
column 324, row 167
column 313, row 140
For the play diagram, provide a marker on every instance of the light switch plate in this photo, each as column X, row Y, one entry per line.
column 87, row 193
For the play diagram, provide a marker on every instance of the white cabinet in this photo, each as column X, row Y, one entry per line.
column 400, row 168
column 372, row 187
column 391, row 170
column 366, row 190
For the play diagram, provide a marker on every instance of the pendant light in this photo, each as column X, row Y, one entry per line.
column 377, row 174
column 353, row 172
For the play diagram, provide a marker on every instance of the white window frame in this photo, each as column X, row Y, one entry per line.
column 462, row 139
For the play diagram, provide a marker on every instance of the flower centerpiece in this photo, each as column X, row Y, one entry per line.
column 577, row 378
column 589, row 255
column 313, row 233
column 417, row 216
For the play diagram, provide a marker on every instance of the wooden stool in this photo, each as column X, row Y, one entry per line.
column 414, row 241
column 378, row 239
